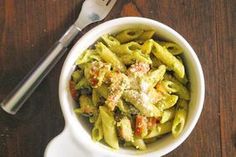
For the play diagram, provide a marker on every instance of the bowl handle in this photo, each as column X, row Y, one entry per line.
column 64, row 145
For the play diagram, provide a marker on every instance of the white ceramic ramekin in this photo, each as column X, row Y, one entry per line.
column 75, row 140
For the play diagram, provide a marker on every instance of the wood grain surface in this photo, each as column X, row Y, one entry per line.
column 29, row 27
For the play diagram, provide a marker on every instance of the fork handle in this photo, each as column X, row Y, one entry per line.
column 13, row 102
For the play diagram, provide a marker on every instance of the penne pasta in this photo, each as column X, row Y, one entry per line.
column 139, row 144
column 129, row 59
column 129, row 35
column 167, row 102
column 109, row 56
column 168, row 115
column 126, row 49
column 148, row 34
column 147, row 46
column 83, row 83
column 178, row 123
column 97, row 132
column 110, row 40
column 180, row 118
column 168, row 59
column 172, row 47
column 172, row 85
column 108, row 127
column 160, row 129
column 89, row 55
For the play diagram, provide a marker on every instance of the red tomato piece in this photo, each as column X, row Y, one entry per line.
column 140, row 125
column 73, row 91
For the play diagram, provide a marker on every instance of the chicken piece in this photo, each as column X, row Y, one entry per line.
column 125, row 129
column 154, row 95
column 138, row 69
column 95, row 73
column 86, row 105
column 119, row 82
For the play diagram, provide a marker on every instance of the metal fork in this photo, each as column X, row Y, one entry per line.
column 92, row 11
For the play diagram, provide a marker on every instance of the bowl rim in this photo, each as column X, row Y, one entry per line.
column 70, row 119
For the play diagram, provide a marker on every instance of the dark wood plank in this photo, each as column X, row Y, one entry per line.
column 226, row 45
column 29, row 28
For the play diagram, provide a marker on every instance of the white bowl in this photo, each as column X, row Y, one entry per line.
column 77, row 134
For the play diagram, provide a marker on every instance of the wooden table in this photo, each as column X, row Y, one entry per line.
column 28, row 29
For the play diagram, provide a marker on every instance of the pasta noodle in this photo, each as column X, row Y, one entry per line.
column 172, row 47
column 160, row 129
column 146, row 35
column 97, row 132
column 168, row 115
column 129, row 35
column 139, row 144
column 167, row 58
column 127, row 48
column 110, row 40
column 180, row 118
column 109, row 56
column 108, row 126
